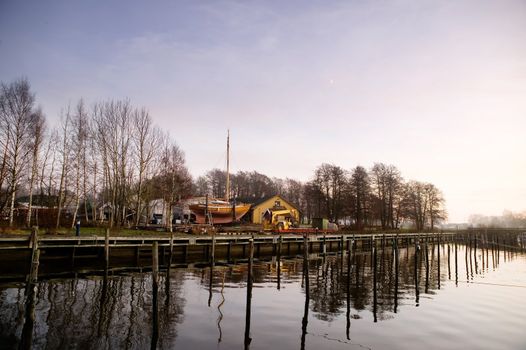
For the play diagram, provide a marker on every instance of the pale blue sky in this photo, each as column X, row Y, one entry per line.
column 437, row 88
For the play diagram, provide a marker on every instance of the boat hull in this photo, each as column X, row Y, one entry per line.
column 221, row 214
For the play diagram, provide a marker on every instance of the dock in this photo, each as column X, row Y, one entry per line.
column 58, row 254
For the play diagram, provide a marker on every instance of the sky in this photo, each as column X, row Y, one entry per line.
column 437, row 88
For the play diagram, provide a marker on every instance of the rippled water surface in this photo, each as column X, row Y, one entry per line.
column 476, row 301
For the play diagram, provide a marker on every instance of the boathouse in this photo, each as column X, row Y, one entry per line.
column 273, row 203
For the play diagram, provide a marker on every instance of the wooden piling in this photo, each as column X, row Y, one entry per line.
column 305, row 319
column 417, row 289
column 107, row 248
column 456, row 263
column 35, row 256
column 213, row 253
column 448, row 261
column 155, row 290
column 348, row 313
column 438, row 265
column 427, row 267
column 31, row 291
column 155, row 262
column 375, row 296
column 171, row 250
column 278, row 263
column 249, row 294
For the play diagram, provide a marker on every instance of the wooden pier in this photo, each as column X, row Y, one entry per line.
column 60, row 254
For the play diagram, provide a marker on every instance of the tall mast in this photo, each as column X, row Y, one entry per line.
column 227, row 194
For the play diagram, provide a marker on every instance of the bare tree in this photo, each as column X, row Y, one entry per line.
column 386, row 182
column 330, row 180
column 16, row 105
column 175, row 179
column 38, row 125
column 436, row 201
column 360, row 192
column 146, row 140
column 114, row 127
column 423, row 204
column 79, row 141
column 65, row 155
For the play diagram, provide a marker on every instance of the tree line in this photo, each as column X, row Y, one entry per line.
column 508, row 219
column 109, row 157
column 108, row 161
column 357, row 198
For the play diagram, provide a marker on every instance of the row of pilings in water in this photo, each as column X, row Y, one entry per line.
column 491, row 246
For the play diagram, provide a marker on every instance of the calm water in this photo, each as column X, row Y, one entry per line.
column 476, row 303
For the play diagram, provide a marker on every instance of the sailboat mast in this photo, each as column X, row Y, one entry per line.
column 227, row 194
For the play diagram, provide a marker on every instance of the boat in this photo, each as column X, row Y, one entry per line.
column 219, row 211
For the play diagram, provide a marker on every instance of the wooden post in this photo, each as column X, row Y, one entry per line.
column 31, row 291
column 206, row 211
column 417, row 287
column 213, row 254
column 375, row 297
column 155, row 262
column 155, row 289
column 456, row 263
column 35, row 256
column 305, row 319
column 107, row 248
column 396, row 262
column 448, row 261
column 349, row 269
column 249, row 294
column 171, row 249
column 280, row 238
column 438, row 266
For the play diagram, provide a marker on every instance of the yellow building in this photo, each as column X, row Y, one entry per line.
column 273, row 203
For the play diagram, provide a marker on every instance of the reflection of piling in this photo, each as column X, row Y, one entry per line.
column 249, row 293
column 155, row 290
column 499, row 242
column 212, row 264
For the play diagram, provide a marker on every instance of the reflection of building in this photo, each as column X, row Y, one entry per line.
column 273, row 203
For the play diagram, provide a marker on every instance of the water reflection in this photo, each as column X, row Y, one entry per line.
column 122, row 311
